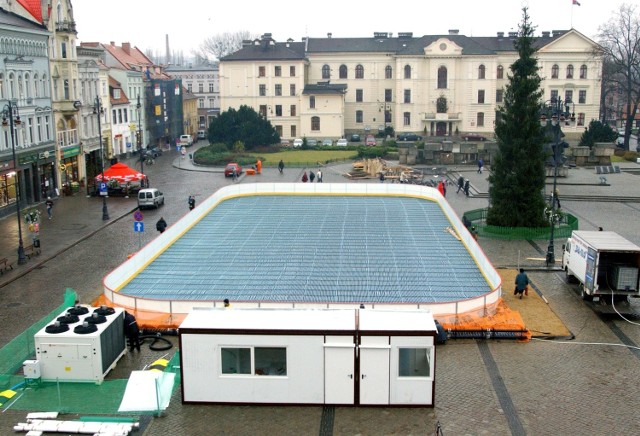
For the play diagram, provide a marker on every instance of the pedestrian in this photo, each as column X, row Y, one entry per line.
column 466, row 187
column 474, row 232
column 460, row 184
column 304, row 177
column 319, row 176
column 192, row 202
column 444, row 188
column 49, row 204
column 312, row 176
column 555, row 198
column 441, row 188
column 381, row 177
column 161, row 225
column 522, row 284
column 600, row 229
column 280, row 166
column 132, row 331
column 226, row 303
column 234, row 174
column 403, row 177
column 259, row 166
column 183, row 151
column 480, row 165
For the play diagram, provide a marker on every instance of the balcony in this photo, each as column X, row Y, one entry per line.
column 66, row 26
column 449, row 116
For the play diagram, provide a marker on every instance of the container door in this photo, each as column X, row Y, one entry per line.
column 339, row 365
column 374, row 370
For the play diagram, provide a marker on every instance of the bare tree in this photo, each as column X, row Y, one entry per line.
column 619, row 39
column 222, row 44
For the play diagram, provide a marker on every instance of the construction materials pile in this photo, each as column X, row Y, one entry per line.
column 371, row 168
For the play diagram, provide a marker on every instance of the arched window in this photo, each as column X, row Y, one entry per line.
column 441, row 105
column 569, row 71
column 326, row 72
column 481, row 72
column 2, row 97
column 315, row 123
column 500, row 72
column 27, row 85
column 359, row 72
column 583, row 71
column 36, row 86
column 388, row 72
column 555, row 70
column 343, row 71
column 407, row 71
column 442, row 78
column 11, row 90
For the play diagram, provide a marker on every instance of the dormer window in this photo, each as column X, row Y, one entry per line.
column 116, row 94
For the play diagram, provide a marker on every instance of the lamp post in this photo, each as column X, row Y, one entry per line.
column 99, row 110
column 555, row 112
column 11, row 120
column 139, row 139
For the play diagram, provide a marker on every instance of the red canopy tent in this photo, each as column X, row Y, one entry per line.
column 121, row 173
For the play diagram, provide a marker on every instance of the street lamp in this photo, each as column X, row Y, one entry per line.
column 13, row 122
column 99, row 110
column 555, row 112
column 139, row 139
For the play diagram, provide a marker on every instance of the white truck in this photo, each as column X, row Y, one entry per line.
column 605, row 264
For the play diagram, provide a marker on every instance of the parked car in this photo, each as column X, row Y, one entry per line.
column 202, row 134
column 342, row 142
column 228, row 170
column 355, row 138
column 186, row 140
column 297, row 143
column 150, row 197
column 285, row 143
column 327, row 142
column 474, row 137
column 409, row 137
column 154, row 151
column 312, row 142
column 370, row 140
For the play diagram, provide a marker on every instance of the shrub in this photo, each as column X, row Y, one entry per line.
column 630, row 156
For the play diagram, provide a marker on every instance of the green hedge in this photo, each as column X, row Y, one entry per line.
column 477, row 218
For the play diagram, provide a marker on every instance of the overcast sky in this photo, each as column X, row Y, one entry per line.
column 145, row 24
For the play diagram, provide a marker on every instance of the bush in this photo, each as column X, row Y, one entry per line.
column 631, row 156
column 371, row 152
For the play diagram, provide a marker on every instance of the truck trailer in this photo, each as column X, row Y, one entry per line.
column 605, row 264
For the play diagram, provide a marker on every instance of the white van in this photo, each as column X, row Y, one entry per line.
column 186, row 140
column 150, row 197
column 202, row 134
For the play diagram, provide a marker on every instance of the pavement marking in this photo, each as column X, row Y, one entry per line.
column 501, row 390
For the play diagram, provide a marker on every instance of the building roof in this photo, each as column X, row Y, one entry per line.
column 14, row 20
column 325, row 88
column 33, row 7
column 266, row 48
column 114, row 84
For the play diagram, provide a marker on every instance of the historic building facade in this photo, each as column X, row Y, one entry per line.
column 438, row 85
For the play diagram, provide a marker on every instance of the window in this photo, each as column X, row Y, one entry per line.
column 278, row 110
column 292, row 110
column 359, row 72
column 407, row 71
column 498, row 117
column 442, row 78
column 201, row 103
column 263, row 110
column 114, row 119
column 63, row 50
column 342, row 72
column 262, row 72
column 292, row 71
column 414, row 362
column 278, row 90
column 554, row 95
column 236, row 360
column 315, row 123
column 119, row 116
column 555, row 70
column 211, row 87
column 277, row 71
column 294, row 131
column 312, row 102
column 388, row 72
column 407, row 118
column 500, row 72
column 569, row 71
column 583, row 71
column 407, row 96
column 359, row 95
column 116, row 94
column 66, row 90
column 441, row 105
column 279, row 130
column 260, row 361
column 359, row 117
column 581, row 119
column 582, row 96
column 200, row 88
column 39, row 128
column 212, row 102
column 263, row 90
column 568, row 96
column 499, row 95
column 189, row 87
column 125, row 115
column 388, row 95
column 481, row 72
column 480, row 119
column 292, row 89
column 480, row 95
column 326, row 71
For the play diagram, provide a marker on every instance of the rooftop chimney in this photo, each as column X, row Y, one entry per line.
column 546, row 34
column 513, row 34
column 454, row 31
column 329, row 35
column 500, row 34
column 126, row 46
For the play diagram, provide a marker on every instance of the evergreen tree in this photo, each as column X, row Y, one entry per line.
column 597, row 132
column 244, row 125
column 517, row 171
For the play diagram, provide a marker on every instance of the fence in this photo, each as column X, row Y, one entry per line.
column 478, row 217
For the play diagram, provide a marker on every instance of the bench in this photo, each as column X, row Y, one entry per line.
column 5, row 265
column 31, row 251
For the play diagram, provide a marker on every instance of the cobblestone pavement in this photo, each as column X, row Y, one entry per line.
column 483, row 387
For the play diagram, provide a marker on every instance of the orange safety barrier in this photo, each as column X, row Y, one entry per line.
column 146, row 319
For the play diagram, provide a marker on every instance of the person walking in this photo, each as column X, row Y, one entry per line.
column 522, row 284
column 381, row 177
column 234, row 174
column 312, row 176
column 132, row 331
column 555, row 198
column 49, row 204
column 304, row 177
column 319, row 176
column 467, row 185
column 444, row 187
column 192, row 202
column 460, row 184
column 161, row 225
column 480, row 165
column 441, row 188
column 280, row 166
column 259, row 166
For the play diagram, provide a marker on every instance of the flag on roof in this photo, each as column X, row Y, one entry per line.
column 576, row 2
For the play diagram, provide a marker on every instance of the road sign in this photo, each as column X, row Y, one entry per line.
column 103, row 189
column 138, row 227
column 138, row 216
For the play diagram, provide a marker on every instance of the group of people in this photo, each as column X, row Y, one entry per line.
column 463, row 185
column 312, row 176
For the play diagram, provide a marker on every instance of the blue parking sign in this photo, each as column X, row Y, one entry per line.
column 103, row 188
column 138, row 227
